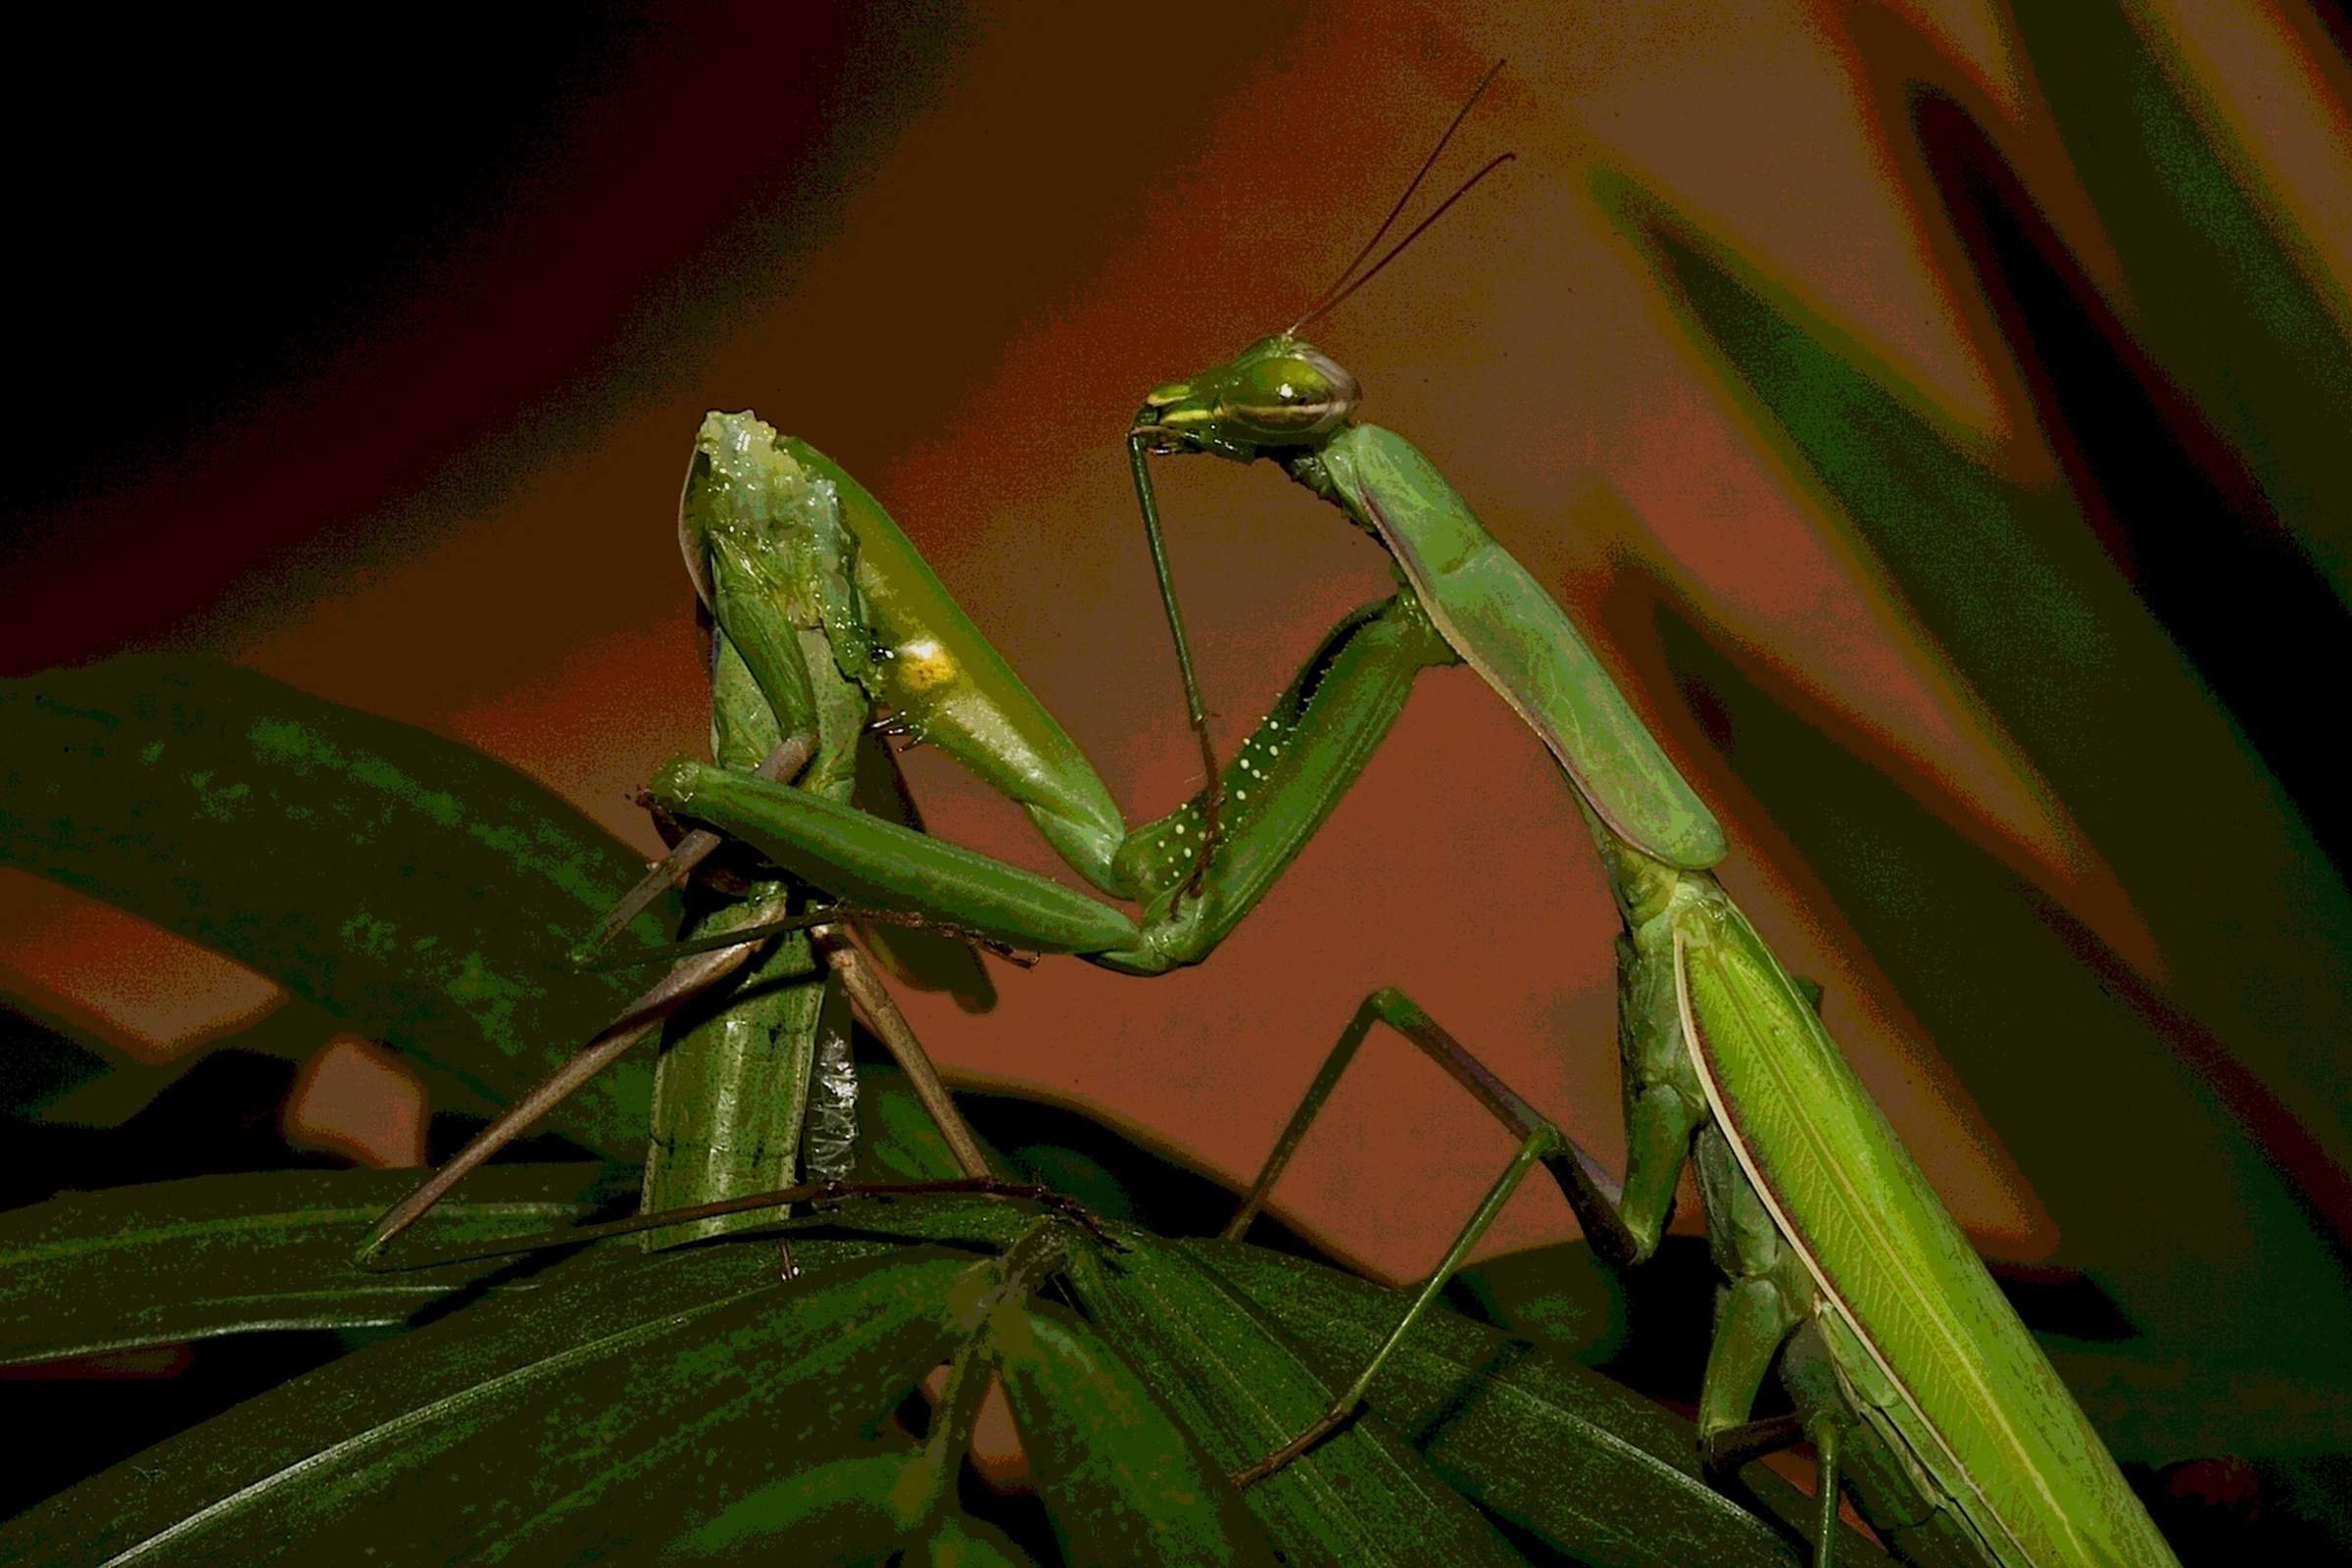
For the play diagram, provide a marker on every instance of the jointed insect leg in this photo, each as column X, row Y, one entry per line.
column 689, row 978
column 671, row 871
column 1541, row 1143
column 1195, row 714
column 644, row 1015
column 1828, row 1433
column 1752, row 1322
column 1727, row 1449
column 1343, row 1409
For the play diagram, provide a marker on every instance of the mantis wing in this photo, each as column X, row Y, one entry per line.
column 1931, row 1349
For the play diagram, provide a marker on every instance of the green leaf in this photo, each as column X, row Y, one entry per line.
column 1359, row 1498
column 1123, row 1481
column 2233, row 298
column 185, row 1260
column 852, row 1510
column 960, row 1541
column 838, row 1511
column 635, row 1396
column 422, row 893
column 896, row 1139
column 1586, row 1466
column 1562, row 1297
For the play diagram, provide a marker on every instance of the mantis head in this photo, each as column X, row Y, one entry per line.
column 1281, row 391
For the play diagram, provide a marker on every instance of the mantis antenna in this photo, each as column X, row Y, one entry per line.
column 1397, row 249
column 1340, row 286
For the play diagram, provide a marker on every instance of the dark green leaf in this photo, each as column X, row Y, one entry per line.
column 845, row 1511
column 633, row 1397
column 2232, row 299
column 842, row 1510
column 420, row 892
column 225, row 1254
column 1125, row 1484
column 1562, row 1297
column 897, row 1141
column 1359, row 1498
column 1581, row 1463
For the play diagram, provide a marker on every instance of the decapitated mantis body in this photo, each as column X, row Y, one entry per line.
column 793, row 678
column 741, row 1088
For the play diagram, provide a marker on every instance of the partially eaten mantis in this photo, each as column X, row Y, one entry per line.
column 1838, row 1253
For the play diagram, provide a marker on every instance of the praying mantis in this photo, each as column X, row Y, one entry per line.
column 1838, row 1253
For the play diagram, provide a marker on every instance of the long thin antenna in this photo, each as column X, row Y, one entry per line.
column 1397, row 249
column 1323, row 301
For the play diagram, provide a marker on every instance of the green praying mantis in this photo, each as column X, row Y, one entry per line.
column 1840, row 1263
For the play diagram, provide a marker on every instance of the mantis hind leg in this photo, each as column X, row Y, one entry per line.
column 1597, row 1200
column 1828, row 1427
column 1755, row 1320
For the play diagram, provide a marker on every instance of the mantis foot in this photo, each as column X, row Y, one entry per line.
column 1338, row 1415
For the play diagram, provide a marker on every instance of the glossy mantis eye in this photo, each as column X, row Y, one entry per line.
column 1290, row 399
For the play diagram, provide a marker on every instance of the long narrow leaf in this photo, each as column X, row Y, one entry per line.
column 1586, row 1466
column 418, row 891
column 1123, row 1478
column 185, row 1260
column 600, row 1415
column 1359, row 1498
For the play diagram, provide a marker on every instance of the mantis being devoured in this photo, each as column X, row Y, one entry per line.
column 1835, row 1246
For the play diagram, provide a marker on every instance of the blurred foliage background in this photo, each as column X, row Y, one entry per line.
column 1936, row 410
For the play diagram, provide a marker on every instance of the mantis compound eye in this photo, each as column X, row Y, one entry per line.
column 1290, row 396
column 1279, row 392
